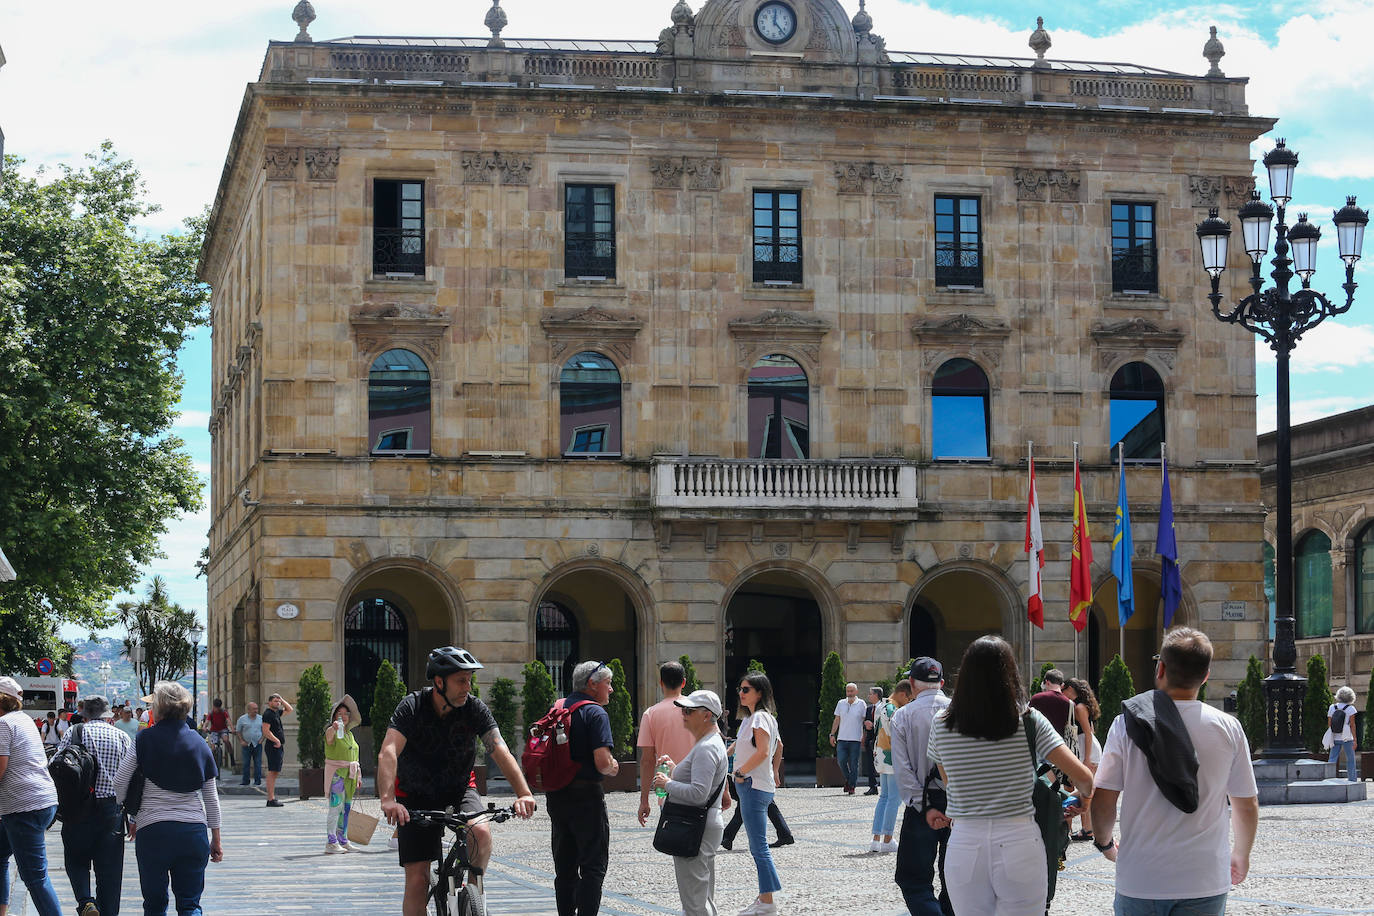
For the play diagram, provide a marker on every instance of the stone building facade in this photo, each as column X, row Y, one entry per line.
column 728, row 344
column 1333, row 541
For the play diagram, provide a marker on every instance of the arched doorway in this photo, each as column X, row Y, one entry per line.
column 375, row 631
column 588, row 613
column 1143, row 636
column 924, row 636
column 774, row 618
column 961, row 604
column 556, row 643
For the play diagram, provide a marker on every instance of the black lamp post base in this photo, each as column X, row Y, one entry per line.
column 1283, row 696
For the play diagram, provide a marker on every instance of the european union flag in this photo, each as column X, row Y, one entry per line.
column 1122, row 551
column 1166, row 545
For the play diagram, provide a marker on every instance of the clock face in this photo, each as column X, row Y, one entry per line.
column 775, row 21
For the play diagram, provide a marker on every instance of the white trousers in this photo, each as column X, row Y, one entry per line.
column 996, row 867
column 696, row 878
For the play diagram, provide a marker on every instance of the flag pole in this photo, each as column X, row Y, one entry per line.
column 1030, row 627
column 1076, row 671
column 1121, row 468
column 1163, row 476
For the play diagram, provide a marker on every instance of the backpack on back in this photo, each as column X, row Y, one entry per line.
column 547, row 761
column 1338, row 721
column 73, row 770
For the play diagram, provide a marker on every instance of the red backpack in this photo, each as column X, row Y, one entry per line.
column 547, row 760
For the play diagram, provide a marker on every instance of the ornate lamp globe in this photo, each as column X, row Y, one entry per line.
column 1350, row 221
column 1256, row 218
column 1214, row 235
column 1281, row 162
column 1304, row 237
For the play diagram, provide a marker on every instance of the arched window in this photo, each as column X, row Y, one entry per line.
column 589, row 406
column 779, row 409
column 1364, row 580
column 374, row 631
column 959, row 404
column 1137, row 411
column 1271, row 590
column 556, row 643
column 1312, row 585
column 398, row 404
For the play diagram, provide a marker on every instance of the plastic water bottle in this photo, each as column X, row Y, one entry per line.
column 661, row 793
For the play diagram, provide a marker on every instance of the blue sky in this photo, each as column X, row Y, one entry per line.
column 163, row 80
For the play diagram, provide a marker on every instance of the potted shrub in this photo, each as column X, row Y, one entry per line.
column 1250, row 705
column 1365, row 724
column 1314, row 706
column 693, row 683
column 828, row 773
column 312, row 711
column 1115, row 688
column 387, row 693
column 621, row 712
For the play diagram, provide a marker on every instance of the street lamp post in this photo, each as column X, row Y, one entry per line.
column 104, row 670
column 196, row 633
column 1281, row 317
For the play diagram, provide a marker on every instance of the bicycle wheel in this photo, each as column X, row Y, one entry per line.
column 468, row 903
column 442, row 899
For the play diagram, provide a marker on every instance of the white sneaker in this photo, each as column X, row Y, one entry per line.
column 332, row 849
column 889, row 846
column 875, row 846
column 759, row 908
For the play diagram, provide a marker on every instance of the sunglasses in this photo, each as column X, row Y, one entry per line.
column 744, row 689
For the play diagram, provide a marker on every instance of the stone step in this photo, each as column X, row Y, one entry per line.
column 1312, row 792
column 1285, row 771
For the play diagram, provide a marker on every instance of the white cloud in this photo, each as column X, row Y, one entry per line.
column 1332, row 347
column 192, row 419
column 1304, row 410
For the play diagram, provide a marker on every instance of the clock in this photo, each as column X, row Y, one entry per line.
column 776, row 22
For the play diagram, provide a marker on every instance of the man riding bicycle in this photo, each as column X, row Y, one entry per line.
column 426, row 764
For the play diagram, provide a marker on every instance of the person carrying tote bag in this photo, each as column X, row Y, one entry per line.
column 697, row 782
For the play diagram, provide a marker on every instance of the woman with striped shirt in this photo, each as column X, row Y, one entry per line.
column 996, row 864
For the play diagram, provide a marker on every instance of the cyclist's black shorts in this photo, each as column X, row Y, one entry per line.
column 425, row 844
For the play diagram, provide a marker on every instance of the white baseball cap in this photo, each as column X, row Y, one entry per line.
column 10, row 687
column 701, row 699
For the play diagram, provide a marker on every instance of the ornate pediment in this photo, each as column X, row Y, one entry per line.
column 590, row 328
column 410, row 327
column 779, row 328
column 961, row 328
column 1136, row 332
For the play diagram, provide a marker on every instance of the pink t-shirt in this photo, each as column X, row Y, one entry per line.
column 661, row 728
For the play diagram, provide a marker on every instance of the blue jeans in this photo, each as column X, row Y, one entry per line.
column 1348, row 749
column 917, row 854
column 96, row 843
column 21, row 835
column 753, row 804
column 885, row 815
column 176, row 850
column 252, row 760
column 848, row 754
column 1196, row 906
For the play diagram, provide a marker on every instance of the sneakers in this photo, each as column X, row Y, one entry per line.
column 759, row 908
column 875, row 846
column 273, row 803
column 782, row 841
column 331, row 849
column 88, row 909
column 871, row 792
column 889, row 846
column 344, row 847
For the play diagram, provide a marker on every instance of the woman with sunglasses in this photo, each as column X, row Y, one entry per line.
column 753, row 751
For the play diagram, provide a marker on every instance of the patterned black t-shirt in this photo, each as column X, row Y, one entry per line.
column 440, row 750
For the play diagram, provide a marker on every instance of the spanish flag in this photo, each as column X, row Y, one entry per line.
column 1080, row 570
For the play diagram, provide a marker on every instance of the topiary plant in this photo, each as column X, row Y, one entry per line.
column 1115, row 688
column 312, row 712
column 503, row 709
column 1368, row 743
column 1250, row 703
column 537, row 694
column 1038, row 682
column 832, row 691
column 387, row 693
column 621, row 712
column 693, row 683
column 903, row 672
column 756, row 665
column 1315, row 705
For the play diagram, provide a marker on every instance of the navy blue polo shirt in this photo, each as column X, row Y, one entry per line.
column 590, row 729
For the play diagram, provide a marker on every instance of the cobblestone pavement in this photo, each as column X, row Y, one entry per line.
column 1309, row 860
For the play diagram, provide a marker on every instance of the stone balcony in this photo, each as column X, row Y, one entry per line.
column 843, row 488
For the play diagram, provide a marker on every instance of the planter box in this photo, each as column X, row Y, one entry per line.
column 627, row 780
column 1365, row 761
column 828, row 773
column 312, row 782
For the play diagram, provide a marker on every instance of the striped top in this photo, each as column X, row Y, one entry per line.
column 990, row 778
column 26, row 785
column 108, row 744
column 159, row 804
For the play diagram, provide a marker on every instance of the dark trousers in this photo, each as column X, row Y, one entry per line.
column 581, row 847
column 774, row 815
column 96, row 843
column 918, row 852
column 848, row 753
column 252, row 760
column 176, row 851
column 866, row 767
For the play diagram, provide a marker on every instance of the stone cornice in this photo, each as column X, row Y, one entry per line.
column 377, row 328
column 1136, row 333
column 590, row 328
column 960, row 329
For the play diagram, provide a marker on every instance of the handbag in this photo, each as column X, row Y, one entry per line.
column 361, row 826
column 681, row 827
column 1048, row 796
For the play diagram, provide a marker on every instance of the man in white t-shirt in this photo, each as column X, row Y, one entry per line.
column 1169, row 857
column 847, row 735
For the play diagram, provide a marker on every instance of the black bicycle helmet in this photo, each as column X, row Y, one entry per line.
column 446, row 660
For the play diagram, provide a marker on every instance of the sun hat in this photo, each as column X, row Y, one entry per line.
column 10, row 687
column 355, row 718
column 701, row 699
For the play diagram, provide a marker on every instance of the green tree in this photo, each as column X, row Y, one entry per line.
column 92, row 314
column 312, row 712
column 832, row 691
column 756, row 665
column 1115, row 688
column 693, row 683
column 620, row 711
column 1202, row 692
column 904, row 671
column 159, row 636
column 1368, row 725
column 387, row 693
column 1250, row 703
column 1038, row 682
column 537, row 694
column 503, row 709
column 1315, row 705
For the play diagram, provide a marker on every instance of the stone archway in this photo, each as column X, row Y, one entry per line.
column 964, row 600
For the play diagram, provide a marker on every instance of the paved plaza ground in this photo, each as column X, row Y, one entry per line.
column 1309, row 860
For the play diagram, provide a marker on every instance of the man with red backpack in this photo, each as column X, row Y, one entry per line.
column 426, row 764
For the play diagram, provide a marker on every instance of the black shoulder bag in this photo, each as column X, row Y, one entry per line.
column 1048, row 796
column 681, row 827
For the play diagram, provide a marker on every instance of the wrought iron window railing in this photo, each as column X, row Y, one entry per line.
column 1135, row 270
column 589, row 254
column 398, row 251
column 956, row 266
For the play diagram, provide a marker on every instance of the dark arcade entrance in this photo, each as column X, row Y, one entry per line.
column 774, row 619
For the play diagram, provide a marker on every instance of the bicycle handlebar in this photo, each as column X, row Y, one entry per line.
column 456, row 820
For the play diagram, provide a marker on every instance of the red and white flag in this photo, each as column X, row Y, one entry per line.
column 1035, row 551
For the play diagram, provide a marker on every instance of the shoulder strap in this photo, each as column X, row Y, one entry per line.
column 76, row 734
column 1030, row 740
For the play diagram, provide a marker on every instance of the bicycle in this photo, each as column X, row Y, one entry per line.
column 450, row 890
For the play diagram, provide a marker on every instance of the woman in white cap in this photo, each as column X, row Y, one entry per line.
column 699, row 780
column 341, row 772
column 28, row 803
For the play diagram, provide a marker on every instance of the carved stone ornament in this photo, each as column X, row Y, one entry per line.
column 590, row 328
column 820, row 40
column 682, row 15
column 1040, row 42
column 496, row 20
column 378, row 328
column 1137, row 332
column 667, row 171
column 322, row 164
column 886, row 179
column 1205, row 188
column 1213, row 51
column 665, row 42
column 1029, row 183
column 703, row 174
column 303, row 15
column 732, row 36
column 478, row 168
column 851, row 176
column 961, row 329
column 484, row 168
column 280, row 162
column 1238, row 190
column 767, row 330
column 515, row 170
column 1064, row 185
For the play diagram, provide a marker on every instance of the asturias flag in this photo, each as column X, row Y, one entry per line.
column 1080, row 570
column 1166, row 545
column 1122, row 549
column 1035, row 551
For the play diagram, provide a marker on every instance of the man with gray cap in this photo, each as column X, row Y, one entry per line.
column 921, row 791
column 96, row 843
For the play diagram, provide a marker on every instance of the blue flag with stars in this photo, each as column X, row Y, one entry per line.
column 1166, row 545
column 1122, row 550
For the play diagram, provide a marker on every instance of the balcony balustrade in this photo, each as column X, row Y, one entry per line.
column 762, row 483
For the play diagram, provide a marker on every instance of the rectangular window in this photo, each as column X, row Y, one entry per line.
column 589, row 231
column 1135, row 264
column 958, row 242
column 398, row 228
column 777, row 237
